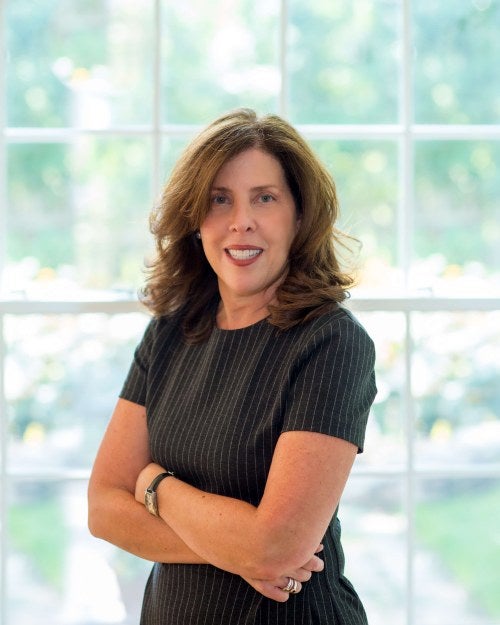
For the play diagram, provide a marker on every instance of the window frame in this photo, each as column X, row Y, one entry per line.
column 405, row 133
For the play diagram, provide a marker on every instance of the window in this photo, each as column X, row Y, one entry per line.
column 401, row 100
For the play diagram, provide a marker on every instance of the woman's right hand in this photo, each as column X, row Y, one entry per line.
column 273, row 589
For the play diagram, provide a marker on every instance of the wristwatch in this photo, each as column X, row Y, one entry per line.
column 150, row 497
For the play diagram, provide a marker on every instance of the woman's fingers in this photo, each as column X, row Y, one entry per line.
column 315, row 564
column 291, row 585
column 270, row 589
column 301, row 575
column 275, row 589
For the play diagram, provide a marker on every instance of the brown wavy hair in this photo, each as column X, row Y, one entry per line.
column 180, row 279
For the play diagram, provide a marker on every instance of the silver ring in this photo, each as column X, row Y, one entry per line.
column 295, row 588
column 292, row 587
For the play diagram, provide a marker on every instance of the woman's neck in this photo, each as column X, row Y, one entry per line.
column 234, row 317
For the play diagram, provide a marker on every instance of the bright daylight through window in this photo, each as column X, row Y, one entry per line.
column 401, row 100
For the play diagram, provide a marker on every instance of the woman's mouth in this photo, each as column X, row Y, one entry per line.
column 243, row 254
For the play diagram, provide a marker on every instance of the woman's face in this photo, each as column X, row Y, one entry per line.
column 250, row 226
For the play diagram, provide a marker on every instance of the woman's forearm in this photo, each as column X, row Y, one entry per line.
column 115, row 516
column 229, row 533
column 124, row 522
column 280, row 535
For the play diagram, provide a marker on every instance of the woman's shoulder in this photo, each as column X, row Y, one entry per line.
column 161, row 329
column 335, row 320
column 334, row 329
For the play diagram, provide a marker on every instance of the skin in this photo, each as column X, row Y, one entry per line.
column 253, row 215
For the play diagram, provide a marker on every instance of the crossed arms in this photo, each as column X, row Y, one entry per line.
column 264, row 544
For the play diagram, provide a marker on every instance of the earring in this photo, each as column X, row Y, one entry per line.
column 198, row 234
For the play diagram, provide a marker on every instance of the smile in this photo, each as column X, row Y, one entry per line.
column 243, row 254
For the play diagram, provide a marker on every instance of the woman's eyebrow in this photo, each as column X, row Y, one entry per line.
column 263, row 187
column 260, row 187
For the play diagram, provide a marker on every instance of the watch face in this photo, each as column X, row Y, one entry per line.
column 150, row 502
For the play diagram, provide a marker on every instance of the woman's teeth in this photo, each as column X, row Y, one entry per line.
column 243, row 254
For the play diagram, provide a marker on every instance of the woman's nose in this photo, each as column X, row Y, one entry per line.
column 242, row 218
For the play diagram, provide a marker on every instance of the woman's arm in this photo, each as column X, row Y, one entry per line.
column 307, row 476
column 114, row 515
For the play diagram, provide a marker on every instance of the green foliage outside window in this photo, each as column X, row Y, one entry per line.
column 78, row 206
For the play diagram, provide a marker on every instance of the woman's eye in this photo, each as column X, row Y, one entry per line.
column 266, row 197
column 219, row 199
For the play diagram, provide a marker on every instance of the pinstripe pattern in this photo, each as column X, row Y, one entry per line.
column 215, row 411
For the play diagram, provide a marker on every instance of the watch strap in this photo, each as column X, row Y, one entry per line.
column 154, row 484
column 150, row 497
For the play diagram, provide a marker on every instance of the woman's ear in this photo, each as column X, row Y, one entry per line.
column 298, row 223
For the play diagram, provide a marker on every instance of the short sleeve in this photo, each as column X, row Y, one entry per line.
column 135, row 386
column 333, row 385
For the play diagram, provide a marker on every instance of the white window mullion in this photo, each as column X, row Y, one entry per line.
column 409, row 496
column 69, row 134
column 157, row 100
column 283, row 54
column 451, row 132
column 359, row 304
column 3, row 256
column 3, row 481
column 405, row 238
column 406, row 173
column 3, row 158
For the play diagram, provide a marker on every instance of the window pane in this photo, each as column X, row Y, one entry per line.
column 385, row 444
column 457, row 574
column 373, row 535
column 455, row 385
column 77, row 216
column 62, row 379
column 339, row 55
column 79, row 63
column 172, row 149
column 218, row 56
column 457, row 217
column 365, row 174
column 57, row 574
column 456, row 61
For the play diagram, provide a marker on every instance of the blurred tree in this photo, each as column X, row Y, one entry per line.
column 46, row 42
column 219, row 56
column 456, row 68
column 70, row 205
column 343, row 62
column 457, row 207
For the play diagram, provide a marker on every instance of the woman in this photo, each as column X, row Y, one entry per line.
column 247, row 400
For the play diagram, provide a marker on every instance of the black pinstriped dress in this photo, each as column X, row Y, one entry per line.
column 215, row 411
